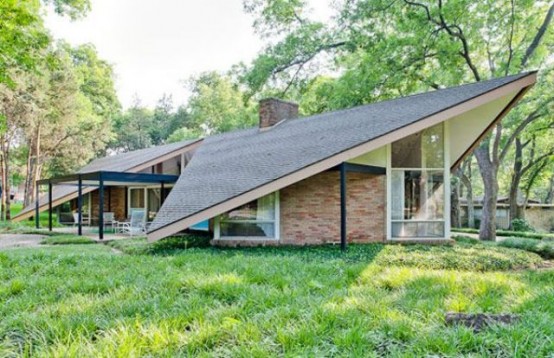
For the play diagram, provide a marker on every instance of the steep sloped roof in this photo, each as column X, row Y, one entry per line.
column 123, row 162
column 232, row 164
column 126, row 161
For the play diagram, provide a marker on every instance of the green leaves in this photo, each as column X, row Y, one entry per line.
column 218, row 105
column 23, row 37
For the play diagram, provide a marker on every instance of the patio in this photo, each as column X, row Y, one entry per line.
column 97, row 184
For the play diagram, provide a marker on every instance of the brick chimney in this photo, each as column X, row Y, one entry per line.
column 273, row 111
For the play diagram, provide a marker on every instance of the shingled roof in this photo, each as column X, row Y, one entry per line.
column 124, row 162
column 229, row 165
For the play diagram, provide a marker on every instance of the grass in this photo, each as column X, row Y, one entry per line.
column 467, row 255
column 15, row 208
column 22, row 228
column 373, row 300
column 543, row 248
column 67, row 240
column 528, row 235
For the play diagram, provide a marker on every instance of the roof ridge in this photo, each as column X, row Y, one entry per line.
column 362, row 106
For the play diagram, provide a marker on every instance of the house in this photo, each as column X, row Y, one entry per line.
column 539, row 215
column 370, row 173
column 137, row 179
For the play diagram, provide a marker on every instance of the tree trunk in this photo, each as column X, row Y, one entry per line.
column 550, row 194
column 455, row 204
column 488, row 170
column 515, row 181
column 28, row 193
column 33, row 167
column 466, row 180
column 5, row 182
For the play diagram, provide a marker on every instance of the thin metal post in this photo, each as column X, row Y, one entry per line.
column 101, row 208
column 49, row 206
column 162, row 194
column 126, row 202
column 80, row 207
column 343, row 207
column 37, row 213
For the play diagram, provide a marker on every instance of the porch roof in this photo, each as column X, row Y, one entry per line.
column 110, row 178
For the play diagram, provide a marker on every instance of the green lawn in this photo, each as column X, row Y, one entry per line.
column 152, row 300
column 15, row 208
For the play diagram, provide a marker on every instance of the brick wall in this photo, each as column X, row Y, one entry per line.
column 273, row 110
column 310, row 209
column 114, row 201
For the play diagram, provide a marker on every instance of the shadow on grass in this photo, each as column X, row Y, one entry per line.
column 201, row 244
column 466, row 256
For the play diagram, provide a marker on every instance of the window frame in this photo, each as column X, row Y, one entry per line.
column 145, row 193
column 446, row 187
column 276, row 222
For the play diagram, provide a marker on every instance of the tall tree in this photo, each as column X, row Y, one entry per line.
column 217, row 104
column 22, row 34
column 133, row 128
column 23, row 44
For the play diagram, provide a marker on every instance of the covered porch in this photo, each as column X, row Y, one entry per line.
column 117, row 194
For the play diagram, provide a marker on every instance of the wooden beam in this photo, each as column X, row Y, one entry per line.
column 361, row 168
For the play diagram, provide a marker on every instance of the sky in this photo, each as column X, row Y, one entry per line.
column 155, row 46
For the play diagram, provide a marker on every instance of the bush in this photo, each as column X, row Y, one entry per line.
column 466, row 255
column 509, row 233
column 67, row 240
column 545, row 249
column 522, row 225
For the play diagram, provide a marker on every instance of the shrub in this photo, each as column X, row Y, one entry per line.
column 67, row 240
column 529, row 235
column 466, row 255
column 522, row 225
column 545, row 249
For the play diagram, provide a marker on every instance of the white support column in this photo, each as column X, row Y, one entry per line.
column 277, row 217
column 217, row 232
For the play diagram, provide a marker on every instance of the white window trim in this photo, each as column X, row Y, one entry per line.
column 446, row 187
column 276, row 223
column 145, row 188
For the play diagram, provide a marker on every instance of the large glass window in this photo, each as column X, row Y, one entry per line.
column 258, row 218
column 417, row 185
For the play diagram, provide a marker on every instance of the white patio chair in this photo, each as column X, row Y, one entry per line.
column 135, row 226
column 109, row 219
column 84, row 219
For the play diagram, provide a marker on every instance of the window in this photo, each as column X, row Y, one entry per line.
column 257, row 219
column 417, row 189
column 136, row 198
column 147, row 198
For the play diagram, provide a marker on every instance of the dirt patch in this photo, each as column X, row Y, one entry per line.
column 479, row 321
column 9, row 241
